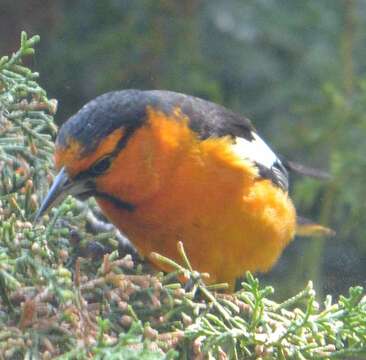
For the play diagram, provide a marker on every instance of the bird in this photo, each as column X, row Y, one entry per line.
column 166, row 167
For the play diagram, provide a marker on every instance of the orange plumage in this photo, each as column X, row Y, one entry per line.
column 166, row 183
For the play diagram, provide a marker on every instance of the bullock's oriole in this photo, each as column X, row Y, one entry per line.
column 165, row 167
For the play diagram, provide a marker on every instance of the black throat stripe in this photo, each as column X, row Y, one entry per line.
column 123, row 205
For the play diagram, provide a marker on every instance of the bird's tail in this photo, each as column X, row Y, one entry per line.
column 306, row 170
column 306, row 227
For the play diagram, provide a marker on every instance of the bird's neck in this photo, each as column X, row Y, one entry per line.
column 166, row 156
column 149, row 159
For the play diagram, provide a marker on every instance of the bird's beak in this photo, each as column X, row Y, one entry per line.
column 62, row 187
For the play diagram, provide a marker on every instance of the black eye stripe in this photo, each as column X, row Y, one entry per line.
column 122, row 142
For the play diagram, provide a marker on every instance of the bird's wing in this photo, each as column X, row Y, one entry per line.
column 211, row 120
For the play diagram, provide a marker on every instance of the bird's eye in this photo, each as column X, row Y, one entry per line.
column 101, row 165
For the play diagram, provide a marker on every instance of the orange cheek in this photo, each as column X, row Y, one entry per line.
column 131, row 176
column 147, row 162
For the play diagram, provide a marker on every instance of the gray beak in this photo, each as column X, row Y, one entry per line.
column 62, row 187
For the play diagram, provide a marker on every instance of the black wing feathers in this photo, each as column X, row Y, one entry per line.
column 306, row 170
column 206, row 118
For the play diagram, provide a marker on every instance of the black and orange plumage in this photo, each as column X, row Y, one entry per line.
column 165, row 167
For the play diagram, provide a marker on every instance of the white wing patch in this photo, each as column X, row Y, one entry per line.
column 255, row 150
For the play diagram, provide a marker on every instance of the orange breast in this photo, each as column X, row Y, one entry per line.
column 201, row 193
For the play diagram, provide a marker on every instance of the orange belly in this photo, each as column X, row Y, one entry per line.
column 226, row 229
column 199, row 192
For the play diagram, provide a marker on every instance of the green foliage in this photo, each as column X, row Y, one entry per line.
column 131, row 346
column 56, row 301
column 26, row 128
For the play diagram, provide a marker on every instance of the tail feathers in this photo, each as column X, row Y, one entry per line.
column 306, row 227
column 307, row 171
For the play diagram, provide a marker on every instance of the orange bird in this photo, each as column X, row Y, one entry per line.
column 167, row 167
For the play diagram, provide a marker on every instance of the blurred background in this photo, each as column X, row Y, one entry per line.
column 296, row 68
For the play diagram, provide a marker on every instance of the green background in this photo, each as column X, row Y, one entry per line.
column 296, row 68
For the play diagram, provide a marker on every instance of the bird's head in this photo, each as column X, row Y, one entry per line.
column 88, row 145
